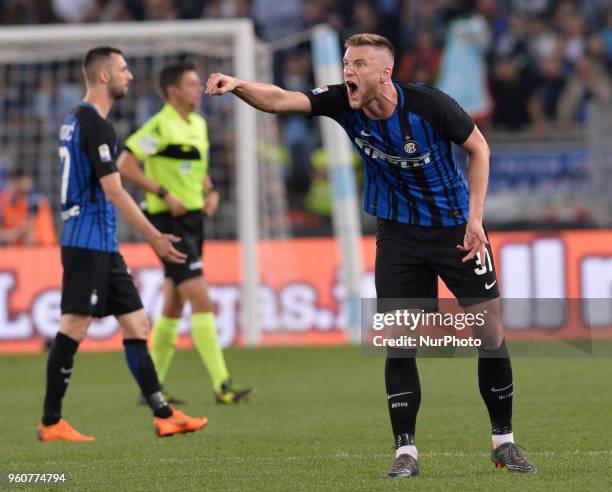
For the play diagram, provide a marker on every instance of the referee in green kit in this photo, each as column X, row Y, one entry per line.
column 173, row 146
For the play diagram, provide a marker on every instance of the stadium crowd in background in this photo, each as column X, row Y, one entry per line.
column 549, row 55
column 515, row 65
column 25, row 214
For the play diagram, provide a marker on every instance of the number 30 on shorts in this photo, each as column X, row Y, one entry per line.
column 481, row 267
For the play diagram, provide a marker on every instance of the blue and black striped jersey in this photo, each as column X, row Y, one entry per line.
column 410, row 173
column 87, row 150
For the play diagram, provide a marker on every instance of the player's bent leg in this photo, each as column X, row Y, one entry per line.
column 73, row 328
column 204, row 335
column 167, row 421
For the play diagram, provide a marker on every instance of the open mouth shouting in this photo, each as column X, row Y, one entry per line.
column 353, row 90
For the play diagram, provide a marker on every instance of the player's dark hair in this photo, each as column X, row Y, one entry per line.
column 369, row 39
column 171, row 75
column 93, row 56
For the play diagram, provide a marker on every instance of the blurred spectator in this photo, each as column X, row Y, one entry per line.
column 336, row 13
column 588, row 82
column 463, row 73
column 606, row 35
column 550, row 85
column 75, row 10
column 28, row 12
column 574, row 37
column 318, row 199
column 422, row 64
column 276, row 19
column 543, row 43
column 513, row 42
column 365, row 18
column 516, row 101
column 423, row 15
column 225, row 9
column 52, row 101
column 160, row 10
column 295, row 129
column 25, row 215
column 596, row 48
column 531, row 7
column 114, row 11
column 494, row 14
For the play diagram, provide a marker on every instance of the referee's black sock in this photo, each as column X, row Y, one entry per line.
column 403, row 394
column 59, row 371
column 495, row 384
column 141, row 366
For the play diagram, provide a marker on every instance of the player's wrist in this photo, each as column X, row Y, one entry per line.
column 162, row 192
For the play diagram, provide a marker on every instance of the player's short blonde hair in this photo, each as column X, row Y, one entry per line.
column 369, row 39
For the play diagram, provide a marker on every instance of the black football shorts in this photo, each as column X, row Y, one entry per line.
column 410, row 258
column 190, row 228
column 97, row 283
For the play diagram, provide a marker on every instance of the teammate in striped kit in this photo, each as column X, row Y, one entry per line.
column 429, row 220
column 96, row 281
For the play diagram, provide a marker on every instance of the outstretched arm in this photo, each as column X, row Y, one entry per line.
column 265, row 97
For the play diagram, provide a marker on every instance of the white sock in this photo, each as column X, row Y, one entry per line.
column 411, row 450
column 499, row 439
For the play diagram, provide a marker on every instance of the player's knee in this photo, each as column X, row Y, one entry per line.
column 491, row 341
column 135, row 325
column 74, row 327
column 172, row 309
column 137, row 331
column 75, row 332
column 172, row 313
column 200, row 302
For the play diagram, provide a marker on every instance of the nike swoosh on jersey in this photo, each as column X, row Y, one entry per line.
column 488, row 286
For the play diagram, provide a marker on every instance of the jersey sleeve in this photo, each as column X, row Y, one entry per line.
column 453, row 122
column 328, row 100
column 146, row 141
column 99, row 143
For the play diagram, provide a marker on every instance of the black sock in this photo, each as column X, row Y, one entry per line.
column 59, row 371
column 142, row 368
column 403, row 394
column 495, row 383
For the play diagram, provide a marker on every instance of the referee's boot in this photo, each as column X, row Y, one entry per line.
column 230, row 394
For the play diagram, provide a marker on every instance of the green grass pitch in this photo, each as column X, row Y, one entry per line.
column 318, row 422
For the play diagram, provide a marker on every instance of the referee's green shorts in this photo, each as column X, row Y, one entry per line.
column 190, row 228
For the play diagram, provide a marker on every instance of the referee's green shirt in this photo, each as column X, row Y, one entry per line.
column 175, row 155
